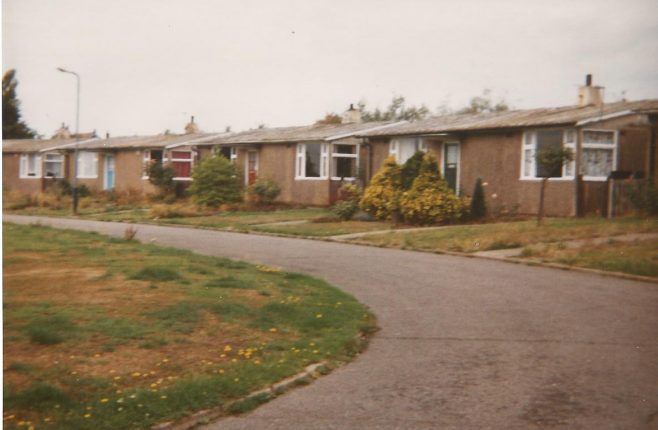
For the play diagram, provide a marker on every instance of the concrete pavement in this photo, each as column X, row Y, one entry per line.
column 465, row 343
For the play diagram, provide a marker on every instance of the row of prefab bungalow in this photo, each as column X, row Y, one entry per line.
column 615, row 140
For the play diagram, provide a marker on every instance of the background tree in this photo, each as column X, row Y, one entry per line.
column 550, row 163
column 397, row 110
column 411, row 169
column 12, row 125
column 485, row 103
column 330, row 118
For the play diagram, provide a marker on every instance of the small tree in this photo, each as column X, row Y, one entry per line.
column 13, row 127
column 216, row 181
column 478, row 205
column 429, row 200
column 550, row 163
column 381, row 198
column 348, row 202
column 162, row 177
column 410, row 170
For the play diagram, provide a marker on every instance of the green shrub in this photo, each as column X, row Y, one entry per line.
column 264, row 191
column 410, row 170
column 429, row 200
column 162, row 177
column 478, row 205
column 644, row 197
column 348, row 202
column 216, row 181
column 381, row 198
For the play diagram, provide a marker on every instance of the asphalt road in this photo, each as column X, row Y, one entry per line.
column 466, row 343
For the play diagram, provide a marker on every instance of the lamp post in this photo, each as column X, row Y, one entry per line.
column 74, row 184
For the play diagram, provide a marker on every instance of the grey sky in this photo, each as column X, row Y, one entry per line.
column 148, row 65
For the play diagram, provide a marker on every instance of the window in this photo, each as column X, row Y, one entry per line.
column 344, row 161
column 229, row 152
column 182, row 163
column 87, row 165
column 599, row 154
column 152, row 156
column 541, row 140
column 30, row 166
column 54, row 166
column 311, row 161
column 405, row 148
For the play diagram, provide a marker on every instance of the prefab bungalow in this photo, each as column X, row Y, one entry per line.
column 117, row 163
column 611, row 142
column 309, row 163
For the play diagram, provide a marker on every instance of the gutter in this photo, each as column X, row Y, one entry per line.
column 193, row 141
column 604, row 117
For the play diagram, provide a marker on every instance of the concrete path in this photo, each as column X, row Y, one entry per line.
column 465, row 343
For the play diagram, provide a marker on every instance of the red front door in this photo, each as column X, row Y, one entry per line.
column 252, row 167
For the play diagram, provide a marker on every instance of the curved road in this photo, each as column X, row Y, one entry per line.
column 465, row 343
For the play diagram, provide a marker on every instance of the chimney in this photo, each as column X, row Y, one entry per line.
column 351, row 115
column 590, row 95
column 107, row 134
column 191, row 128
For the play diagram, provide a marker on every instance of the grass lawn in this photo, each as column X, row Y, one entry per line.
column 107, row 334
column 324, row 229
column 483, row 237
column 636, row 258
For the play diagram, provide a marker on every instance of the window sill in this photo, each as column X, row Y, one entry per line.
column 29, row 177
column 88, row 177
column 338, row 178
column 563, row 179
column 595, row 178
column 182, row 179
column 298, row 178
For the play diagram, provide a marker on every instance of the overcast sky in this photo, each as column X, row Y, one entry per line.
column 147, row 65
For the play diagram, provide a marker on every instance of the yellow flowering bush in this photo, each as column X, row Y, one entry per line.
column 382, row 197
column 430, row 200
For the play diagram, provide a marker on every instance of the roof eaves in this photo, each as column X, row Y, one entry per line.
column 604, row 117
column 67, row 145
column 357, row 133
column 193, row 141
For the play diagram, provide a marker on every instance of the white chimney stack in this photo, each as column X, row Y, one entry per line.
column 351, row 116
column 590, row 95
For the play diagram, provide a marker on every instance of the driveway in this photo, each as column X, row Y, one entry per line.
column 466, row 343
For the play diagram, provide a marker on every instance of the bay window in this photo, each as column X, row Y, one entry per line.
column 311, row 161
column 344, row 161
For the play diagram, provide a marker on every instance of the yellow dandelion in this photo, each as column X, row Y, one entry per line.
column 234, row 360
column 318, row 316
column 222, row 355
column 221, row 370
column 105, row 400
column 87, row 415
column 273, row 330
column 137, row 375
column 46, row 420
column 163, row 397
column 165, row 360
column 9, row 417
column 257, row 361
column 116, row 378
column 236, row 379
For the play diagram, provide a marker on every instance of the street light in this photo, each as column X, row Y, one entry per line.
column 74, row 185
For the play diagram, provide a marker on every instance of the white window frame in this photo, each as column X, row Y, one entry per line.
column 147, row 160
column 93, row 155
column 529, row 142
column 300, row 162
column 170, row 157
column 233, row 154
column 442, row 164
column 24, row 166
column 335, row 155
column 608, row 146
column 394, row 146
column 60, row 160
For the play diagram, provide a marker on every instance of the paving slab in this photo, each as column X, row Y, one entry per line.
column 465, row 343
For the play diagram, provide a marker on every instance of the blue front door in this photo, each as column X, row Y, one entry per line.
column 109, row 173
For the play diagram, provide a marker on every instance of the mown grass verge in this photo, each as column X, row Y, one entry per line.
column 485, row 237
column 103, row 333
